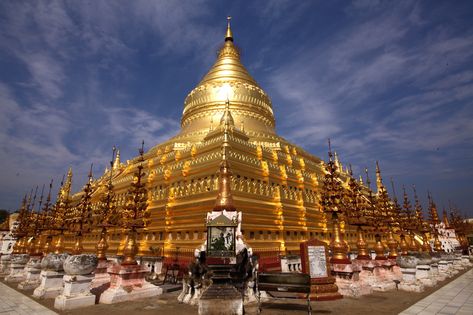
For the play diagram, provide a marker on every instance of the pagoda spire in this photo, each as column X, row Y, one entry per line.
column 337, row 161
column 406, row 206
column 116, row 163
column 224, row 198
column 65, row 189
column 434, row 217
column 417, row 206
column 227, row 121
column 445, row 219
column 229, row 33
column 379, row 180
column 394, row 193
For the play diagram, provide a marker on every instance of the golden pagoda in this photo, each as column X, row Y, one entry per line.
column 275, row 183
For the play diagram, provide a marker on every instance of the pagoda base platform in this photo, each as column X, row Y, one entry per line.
column 221, row 299
column 76, row 293
column 127, row 283
column 324, row 289
column 348, row 280
column 457, row 264
column 366, row 275
column 443, row 270
column 17, row 273
column 409, row 282
column 434, row 268
column 424, row 275
column 33, row 271
column 382, row 272
column 466, row 261
column 101, row 281
column 5, row 265
column 51, row 284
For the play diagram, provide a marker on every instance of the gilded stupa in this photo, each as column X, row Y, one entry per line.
column 275, row 184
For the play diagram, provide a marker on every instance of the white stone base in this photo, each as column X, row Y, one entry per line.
column 351, row 288
column 51, row 284
column 457, row 264
column 466, row 261
column 118, row 294
column 412, row 287
column 17, row 273
column 428, row 282
column 5, row 262
column 424, row 275
column 384, row 286
column 68, row 303
column 32, row 280
column 76, row 293
column 409, row 282
column 436, row 274
column 382, row 282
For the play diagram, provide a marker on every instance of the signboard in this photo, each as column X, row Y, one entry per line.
column 317, row 261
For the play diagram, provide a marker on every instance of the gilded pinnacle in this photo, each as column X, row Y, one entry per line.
column 224, row 199
column 229, row 34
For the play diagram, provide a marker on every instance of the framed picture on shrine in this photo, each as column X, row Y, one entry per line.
column 221, row 241
column 221, row 237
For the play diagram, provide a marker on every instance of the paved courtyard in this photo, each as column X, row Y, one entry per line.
column 14, row 303
column 454, row 297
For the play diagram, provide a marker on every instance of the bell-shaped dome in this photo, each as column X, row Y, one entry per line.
column 229, row 80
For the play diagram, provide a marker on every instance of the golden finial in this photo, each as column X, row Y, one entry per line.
column 66, row 187
column 90, row 173
column 445, row 219
column 434, row 217
column 229, row 34
column 116, row 163
column 329, row 150
column 227, row 119
column 379, row 179
column 368, row 182
column 337, row 161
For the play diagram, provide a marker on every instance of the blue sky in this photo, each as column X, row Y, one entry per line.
column 385, row 80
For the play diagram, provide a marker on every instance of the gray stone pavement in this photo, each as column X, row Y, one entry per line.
column 15, row 303
column 454, row 298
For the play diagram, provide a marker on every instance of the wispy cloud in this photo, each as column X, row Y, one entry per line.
column 381, row 92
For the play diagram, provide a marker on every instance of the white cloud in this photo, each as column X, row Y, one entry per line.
column 370, row 89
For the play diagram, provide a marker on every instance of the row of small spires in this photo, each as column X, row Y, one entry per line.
column 380, row 187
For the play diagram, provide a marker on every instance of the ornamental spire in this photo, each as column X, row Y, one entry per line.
column 445, row 219
column 116, row 163
column 229, row 34
column 224, row 198
column 379, row 180
column 417, row 206
column 434, row 217
column 227, row 121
